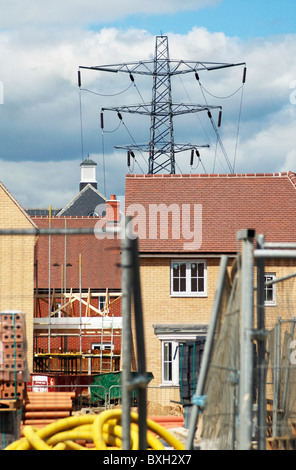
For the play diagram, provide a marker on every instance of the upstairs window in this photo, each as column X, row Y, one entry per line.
column 102, row 304
column 188, row 278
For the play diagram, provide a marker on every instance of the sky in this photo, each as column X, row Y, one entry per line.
column 48, row 125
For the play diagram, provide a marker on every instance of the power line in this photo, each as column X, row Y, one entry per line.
column 161, row 146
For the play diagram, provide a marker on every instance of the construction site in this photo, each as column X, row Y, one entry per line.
column 243, row 360
column 124, row 328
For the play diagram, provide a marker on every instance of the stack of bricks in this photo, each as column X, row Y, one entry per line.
column 13, row 364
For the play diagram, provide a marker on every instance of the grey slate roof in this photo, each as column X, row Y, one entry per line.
column 41, row 212
column 85, row 203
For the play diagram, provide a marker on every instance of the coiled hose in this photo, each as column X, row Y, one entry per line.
column 103, row 430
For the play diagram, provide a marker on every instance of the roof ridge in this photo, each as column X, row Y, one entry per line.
column 292, row 178
column 78, row 195
column 58, row 217
column 215, row 175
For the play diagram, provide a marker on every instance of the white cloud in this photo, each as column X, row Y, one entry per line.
column 15, row 13
column 40, row 184
column 40, row 118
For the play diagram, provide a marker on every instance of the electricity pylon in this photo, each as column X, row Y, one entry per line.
column 161, row 147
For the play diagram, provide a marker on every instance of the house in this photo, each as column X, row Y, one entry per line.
column 17, row 264
column 77, row 297
column 77, row 319
column 184, row 224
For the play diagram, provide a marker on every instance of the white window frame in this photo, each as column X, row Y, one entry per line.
column 102, row 303
column 172, row 363
column 271, row 287
column 188, row 292
column 102, row 346
column 175, row 340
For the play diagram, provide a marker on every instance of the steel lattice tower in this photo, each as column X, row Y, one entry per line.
column 161, row 147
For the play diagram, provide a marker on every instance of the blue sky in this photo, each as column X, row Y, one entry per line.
column 245, row 19
column 43, row 43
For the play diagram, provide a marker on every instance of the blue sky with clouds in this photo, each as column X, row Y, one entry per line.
column 244, row 19
column 43, row 43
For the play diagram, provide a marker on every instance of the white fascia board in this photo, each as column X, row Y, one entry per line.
column 75, row 322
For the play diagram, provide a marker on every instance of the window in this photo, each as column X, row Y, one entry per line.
column 102, row 346
column 174, row 354
column 188, row 278
column 170, row 362
column 102, row 304
column 269, row 289
column 58, row 313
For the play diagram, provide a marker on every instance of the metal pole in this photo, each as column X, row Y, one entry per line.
column 246, row 344
column 65, row 261
column 49, row 280
column 141, row 355
column 126, row 269
column 275, row 254
column 80, row 314
column 207, row 351
column 276, row 378
column 261, row 349
column 58, row 231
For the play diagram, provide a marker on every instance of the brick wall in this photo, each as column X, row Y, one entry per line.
column 17, row 266
column 73, row 342
column 160, row 307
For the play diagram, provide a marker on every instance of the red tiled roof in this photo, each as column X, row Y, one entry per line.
column 99, row 258
column 265, row 202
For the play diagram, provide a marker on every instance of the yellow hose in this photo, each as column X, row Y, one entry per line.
column 103, row 431
column 34, row 439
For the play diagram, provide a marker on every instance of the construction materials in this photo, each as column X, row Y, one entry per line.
column 13, row 374
column 104, row 431
column 13, row 352
column 42, row 408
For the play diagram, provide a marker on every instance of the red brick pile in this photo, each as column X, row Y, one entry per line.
column 13, row 366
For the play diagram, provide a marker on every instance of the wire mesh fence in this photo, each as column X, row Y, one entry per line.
column 281, row 380
column 219, row 421
column 221, row 387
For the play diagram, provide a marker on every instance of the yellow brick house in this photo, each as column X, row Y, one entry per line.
column 17, row 265
column 184, row 224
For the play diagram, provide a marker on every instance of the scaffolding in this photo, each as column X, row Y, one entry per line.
column 245, row 395
column 96, row 325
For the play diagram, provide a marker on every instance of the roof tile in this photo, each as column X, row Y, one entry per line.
column 99, row 258
column 229, row 202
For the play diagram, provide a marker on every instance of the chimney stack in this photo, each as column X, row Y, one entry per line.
column 113, row 210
